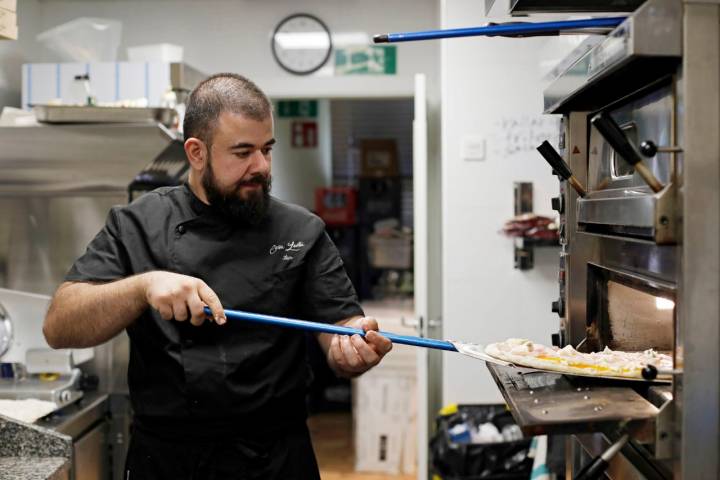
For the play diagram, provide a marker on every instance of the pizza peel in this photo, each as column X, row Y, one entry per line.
column 469, row 349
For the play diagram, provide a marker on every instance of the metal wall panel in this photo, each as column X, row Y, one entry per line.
column 698, row 395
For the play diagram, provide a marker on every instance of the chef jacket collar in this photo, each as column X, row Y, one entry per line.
column 198, row 206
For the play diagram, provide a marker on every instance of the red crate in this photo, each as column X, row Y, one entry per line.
column 337, row 206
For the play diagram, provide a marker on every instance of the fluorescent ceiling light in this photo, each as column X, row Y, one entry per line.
column 302, row 40
column 319, row 40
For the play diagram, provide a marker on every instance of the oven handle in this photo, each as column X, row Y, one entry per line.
column 650, row 149
column 597, row 467
column 561, row 168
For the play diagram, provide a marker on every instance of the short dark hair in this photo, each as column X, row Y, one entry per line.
column 222, row 92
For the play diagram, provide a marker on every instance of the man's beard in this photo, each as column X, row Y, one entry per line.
column 251, row 210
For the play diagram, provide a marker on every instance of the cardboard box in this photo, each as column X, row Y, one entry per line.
column 390, row 251
column 378, row 158
column 7, row 17
column 384, row 420
column 410, row 442
column 385, row 404
column 379, row 447
column 8, row 25
column 9, row 5
column 9, row 33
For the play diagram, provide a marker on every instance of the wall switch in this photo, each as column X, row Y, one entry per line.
column 474, row 148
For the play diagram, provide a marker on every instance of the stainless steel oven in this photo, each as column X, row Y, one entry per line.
column 640, row 258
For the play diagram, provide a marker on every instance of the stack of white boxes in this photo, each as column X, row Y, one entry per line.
column 8, row 20
column 55, row 83
column 385, row 404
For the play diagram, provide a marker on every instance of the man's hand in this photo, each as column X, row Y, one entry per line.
column 85, row 314
column 349, row 356
column 181, row 297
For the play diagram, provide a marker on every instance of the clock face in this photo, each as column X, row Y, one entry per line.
column 301, row 44
column 6, row 333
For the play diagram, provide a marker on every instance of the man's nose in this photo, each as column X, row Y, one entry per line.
column 260, row 162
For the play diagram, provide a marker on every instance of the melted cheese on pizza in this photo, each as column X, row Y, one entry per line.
column 606, row 362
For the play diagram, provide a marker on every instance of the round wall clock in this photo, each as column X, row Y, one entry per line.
column 6, row 331
column 301, row 44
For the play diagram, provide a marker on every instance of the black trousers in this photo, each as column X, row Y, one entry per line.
column 287, row 454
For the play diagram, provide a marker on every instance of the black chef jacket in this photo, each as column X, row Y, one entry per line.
column 216, row 378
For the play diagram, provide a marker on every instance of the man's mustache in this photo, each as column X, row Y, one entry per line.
column 257, row 179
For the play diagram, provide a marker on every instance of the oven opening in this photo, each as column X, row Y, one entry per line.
column 629, row 312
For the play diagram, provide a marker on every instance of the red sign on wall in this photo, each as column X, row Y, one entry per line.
column 304, row 134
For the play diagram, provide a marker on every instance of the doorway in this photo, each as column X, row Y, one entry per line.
column 356, row 173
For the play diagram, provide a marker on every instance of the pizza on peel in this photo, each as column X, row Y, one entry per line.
column 608, row 363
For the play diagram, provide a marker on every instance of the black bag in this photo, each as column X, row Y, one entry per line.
column 493, row 461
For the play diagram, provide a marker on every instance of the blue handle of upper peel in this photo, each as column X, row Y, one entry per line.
column 510, row 30
column 337, row 329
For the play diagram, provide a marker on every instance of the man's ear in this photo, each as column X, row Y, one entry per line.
column 196, row 152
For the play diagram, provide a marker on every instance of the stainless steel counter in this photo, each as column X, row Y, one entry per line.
column 76, row 419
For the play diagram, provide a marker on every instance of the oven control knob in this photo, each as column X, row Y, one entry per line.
column 558, row 307
column 557, row 204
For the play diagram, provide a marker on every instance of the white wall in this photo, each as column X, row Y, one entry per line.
column 234, row 35
column 13, row 53
column 484, row 298
column 298, row 171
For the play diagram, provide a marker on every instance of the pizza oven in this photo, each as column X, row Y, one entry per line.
column 622, row 247
column 635, row 268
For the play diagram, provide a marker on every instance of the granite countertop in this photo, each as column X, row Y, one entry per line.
column 34, row 468
column 31, row 452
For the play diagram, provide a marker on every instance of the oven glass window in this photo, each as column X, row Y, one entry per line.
column 621, row 168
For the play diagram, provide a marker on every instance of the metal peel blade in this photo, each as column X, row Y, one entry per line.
column 475, row 350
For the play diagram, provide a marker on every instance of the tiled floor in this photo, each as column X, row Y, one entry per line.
column 332, row 439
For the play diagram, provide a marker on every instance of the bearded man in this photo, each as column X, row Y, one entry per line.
column 216, row 399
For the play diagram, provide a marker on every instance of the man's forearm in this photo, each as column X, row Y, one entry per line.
column 85, row 314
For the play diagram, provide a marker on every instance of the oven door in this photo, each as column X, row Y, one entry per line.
column 619, row 201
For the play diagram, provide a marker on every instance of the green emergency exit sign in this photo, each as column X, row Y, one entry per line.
column 297, row 108
column 366, row 60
